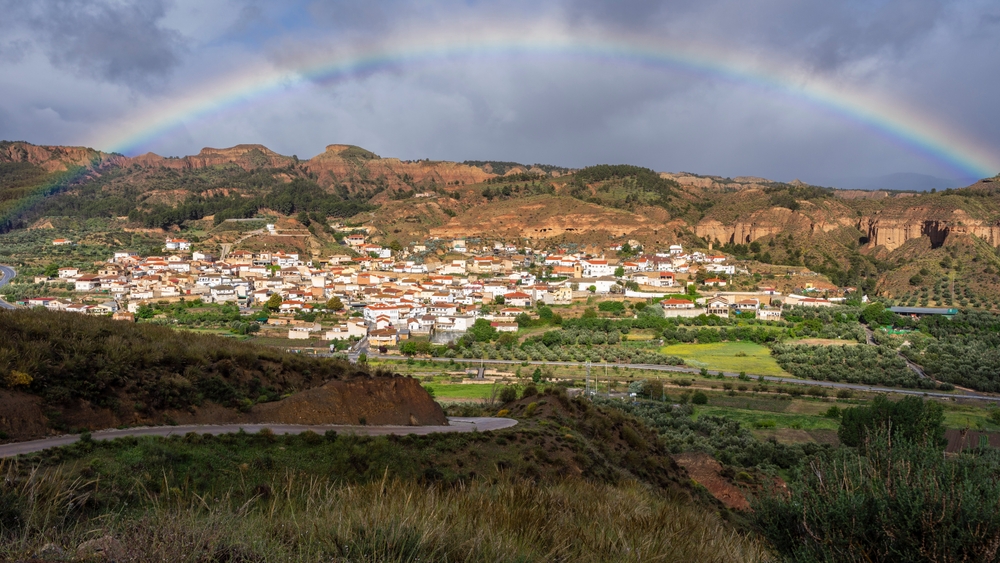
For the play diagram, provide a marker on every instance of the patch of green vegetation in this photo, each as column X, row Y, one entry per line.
column 727, row 356
column 755, row 418
column 461, row 390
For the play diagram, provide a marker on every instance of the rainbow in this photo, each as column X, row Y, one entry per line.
column 911, row 129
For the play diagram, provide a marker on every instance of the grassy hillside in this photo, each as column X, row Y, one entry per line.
column 571, row 482
column 69, row 359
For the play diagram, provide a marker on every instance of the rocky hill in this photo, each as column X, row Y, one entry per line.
column 879, row 241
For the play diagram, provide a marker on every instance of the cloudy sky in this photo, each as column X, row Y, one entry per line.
column 785, row 89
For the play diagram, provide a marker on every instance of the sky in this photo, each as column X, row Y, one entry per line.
column 826, row 92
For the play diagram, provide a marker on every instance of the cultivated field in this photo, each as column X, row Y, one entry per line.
column 727, row 356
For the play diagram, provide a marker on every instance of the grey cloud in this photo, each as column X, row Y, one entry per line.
column 120, row 42
column 828, row 35
column 354, row 15
column 14, row 51
column 629, row 12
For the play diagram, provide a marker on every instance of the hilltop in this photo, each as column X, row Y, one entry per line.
column 892, row 243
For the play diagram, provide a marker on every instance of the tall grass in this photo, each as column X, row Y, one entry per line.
column 300, row 518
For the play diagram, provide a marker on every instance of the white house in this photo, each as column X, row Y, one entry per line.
column 178, row 244
column 602, row 285
column 596, row 268
column 87, row 283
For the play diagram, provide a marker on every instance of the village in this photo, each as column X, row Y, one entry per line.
column 386, row 296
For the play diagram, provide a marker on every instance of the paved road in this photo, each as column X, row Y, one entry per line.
column 6, row 274
column 770, row 378
column 456, row 424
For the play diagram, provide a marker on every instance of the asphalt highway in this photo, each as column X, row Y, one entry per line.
column 455, row 424
column 6, row 274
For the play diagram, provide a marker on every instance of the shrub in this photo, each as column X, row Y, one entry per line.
column 508, row 394
column 910, row 418
column 530, row 409
column 699, row 398
column 891, row 501
column 529, row 391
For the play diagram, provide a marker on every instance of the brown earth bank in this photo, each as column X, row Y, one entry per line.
column 362, row 400
column 707, row 472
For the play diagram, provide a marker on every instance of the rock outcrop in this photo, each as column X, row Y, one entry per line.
column 339, row 162
column 893, row 230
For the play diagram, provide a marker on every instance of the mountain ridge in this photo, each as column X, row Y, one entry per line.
column 864, row 238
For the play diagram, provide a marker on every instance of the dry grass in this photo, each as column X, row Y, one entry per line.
column 312, row 519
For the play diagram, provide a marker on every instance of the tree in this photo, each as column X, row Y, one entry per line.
column 699, row 398
column 483, row 331
column 616, row 307
column 52, row 270
column 639, row 387
column 499, row 300
column 524, row 320
column 545, row 312
column 334, row 304
column 871, row 313
column 395, row 246
column 536, row 375
column 619, row 272
column 303, row 218
column 408, row 348
column 274, row 302
column 911, row 418
column 592, row 289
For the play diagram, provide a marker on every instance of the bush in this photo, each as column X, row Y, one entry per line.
column 508, row 394
column 615, row 307
column 897, row 502
column 529, row 391
column 699, row 398
column 910, row 418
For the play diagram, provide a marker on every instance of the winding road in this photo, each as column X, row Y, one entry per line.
column 455, row 424
column 769, row 378
column 6, row 274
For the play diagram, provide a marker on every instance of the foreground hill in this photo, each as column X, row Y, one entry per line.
column 63, row 371
column 890, row 243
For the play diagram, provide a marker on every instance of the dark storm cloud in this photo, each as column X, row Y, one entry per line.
column 827, row 34
column 120, row 42
column 934, row 56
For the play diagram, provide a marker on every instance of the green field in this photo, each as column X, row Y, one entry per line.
column 460, row 391
column 727, row 356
